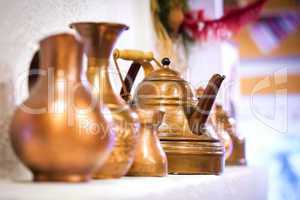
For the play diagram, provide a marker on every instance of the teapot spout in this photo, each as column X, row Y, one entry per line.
column 199, row 116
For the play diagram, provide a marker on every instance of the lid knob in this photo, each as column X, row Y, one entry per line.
column 165, row 61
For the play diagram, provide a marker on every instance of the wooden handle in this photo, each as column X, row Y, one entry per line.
column 133, row 55
column 205, row 103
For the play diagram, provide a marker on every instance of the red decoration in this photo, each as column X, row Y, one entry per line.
column 199, row 28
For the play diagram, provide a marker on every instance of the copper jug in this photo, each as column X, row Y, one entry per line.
column 192, row 147
column 99, row 39
column 58, row 132
column 150, row 159
column 226, row 124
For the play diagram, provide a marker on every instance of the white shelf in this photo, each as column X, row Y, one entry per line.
column 237, row 183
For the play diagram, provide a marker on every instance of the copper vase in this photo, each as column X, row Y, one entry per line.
column 150, row 158
column 99, row 39
column 58, row 132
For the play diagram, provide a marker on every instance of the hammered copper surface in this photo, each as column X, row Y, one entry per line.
column 99, row 39
column 56, row 132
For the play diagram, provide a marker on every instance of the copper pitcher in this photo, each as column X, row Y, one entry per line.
column 58, row 132
column 150, row 159
column 99, row 39
column 191, row 145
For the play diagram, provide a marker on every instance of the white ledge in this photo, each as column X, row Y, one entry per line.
column 237, row 183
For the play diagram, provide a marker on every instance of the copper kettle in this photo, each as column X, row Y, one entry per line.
column 192, row 147
column 164, row 89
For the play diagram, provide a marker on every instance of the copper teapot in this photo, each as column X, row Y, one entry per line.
column 192, row 147
column 165, row 90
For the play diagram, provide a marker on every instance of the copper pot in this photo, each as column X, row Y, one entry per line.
column 58, row 132
column 99, row 39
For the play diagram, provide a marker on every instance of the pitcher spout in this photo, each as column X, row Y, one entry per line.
column 99, row 38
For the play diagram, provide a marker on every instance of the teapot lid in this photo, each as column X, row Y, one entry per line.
column 164, row 86
column 165, row 73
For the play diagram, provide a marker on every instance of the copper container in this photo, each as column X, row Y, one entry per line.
column 55, row 132
column 199, row 155
column 99, row 39
column 150, row 159
column 191, row 147
column 227, row 124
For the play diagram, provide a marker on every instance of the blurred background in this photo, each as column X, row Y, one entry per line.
column 261, row 62
column 269, row 76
